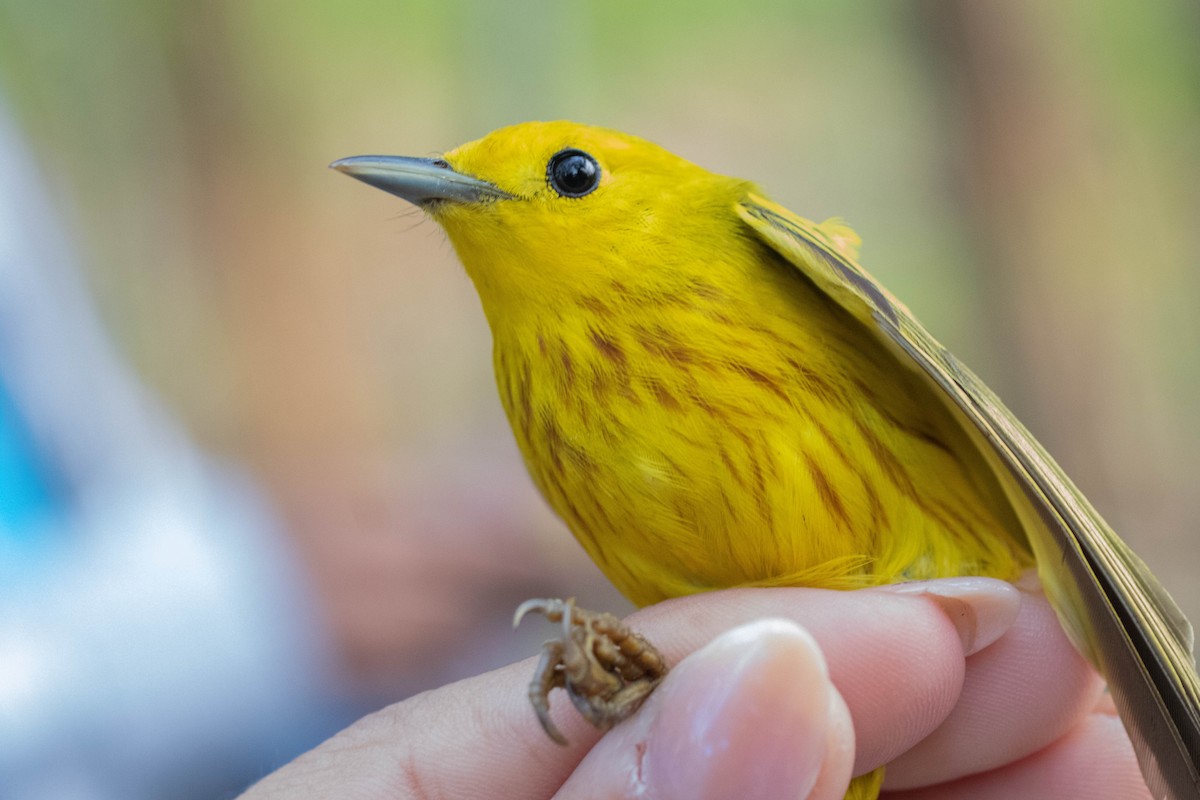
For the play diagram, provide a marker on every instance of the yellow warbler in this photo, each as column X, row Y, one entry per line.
column 711, row 393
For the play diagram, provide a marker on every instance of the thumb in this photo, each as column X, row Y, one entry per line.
column 751, row 715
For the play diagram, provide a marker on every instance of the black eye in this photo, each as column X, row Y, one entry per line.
column 572, row 173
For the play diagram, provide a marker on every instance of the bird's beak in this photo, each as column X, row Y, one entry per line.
column 420, row 181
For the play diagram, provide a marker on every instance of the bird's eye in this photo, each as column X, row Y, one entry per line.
column 572, row 173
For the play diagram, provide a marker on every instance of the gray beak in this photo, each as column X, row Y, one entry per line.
column 418, row 180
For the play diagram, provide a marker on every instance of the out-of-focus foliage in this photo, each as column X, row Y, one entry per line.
column 1025, row 175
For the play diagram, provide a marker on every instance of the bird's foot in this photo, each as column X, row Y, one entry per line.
column 606, row 668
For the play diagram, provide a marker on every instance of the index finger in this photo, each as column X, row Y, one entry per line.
column 479, row 737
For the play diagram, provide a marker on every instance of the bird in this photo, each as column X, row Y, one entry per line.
column 711, row 392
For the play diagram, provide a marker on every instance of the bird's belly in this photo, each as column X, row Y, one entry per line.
column 697, row 504
column 683, row 466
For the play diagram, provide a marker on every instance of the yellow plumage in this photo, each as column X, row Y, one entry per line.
column 711, row 393
column 694, row 408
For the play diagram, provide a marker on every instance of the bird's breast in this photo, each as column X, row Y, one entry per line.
column 690, row 451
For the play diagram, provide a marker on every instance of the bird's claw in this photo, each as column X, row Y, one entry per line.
column 606, row 668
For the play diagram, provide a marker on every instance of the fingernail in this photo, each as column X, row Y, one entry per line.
column 749, row 718
column 982, row 609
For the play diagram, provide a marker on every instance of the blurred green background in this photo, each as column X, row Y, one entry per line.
column 1025, row 175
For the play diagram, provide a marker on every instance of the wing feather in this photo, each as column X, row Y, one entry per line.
column 1111, row 606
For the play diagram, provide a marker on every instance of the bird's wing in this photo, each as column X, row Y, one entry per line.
column 1113, row 609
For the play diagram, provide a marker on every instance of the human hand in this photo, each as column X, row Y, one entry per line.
column 966, row 688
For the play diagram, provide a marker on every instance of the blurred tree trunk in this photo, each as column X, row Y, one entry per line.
column 302, row 387
column 1065, row 224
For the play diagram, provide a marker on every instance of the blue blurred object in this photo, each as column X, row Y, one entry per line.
column 156, row 635
column 30, row 524
column 26, row 505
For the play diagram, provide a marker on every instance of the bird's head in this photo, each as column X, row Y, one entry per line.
column 543, row 213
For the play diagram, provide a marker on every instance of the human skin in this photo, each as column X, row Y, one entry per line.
column 965, row 687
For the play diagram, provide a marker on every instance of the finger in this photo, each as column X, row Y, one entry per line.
column 751, row 715
column 1095, row 760
column 1021, row 694
column 896, row 659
